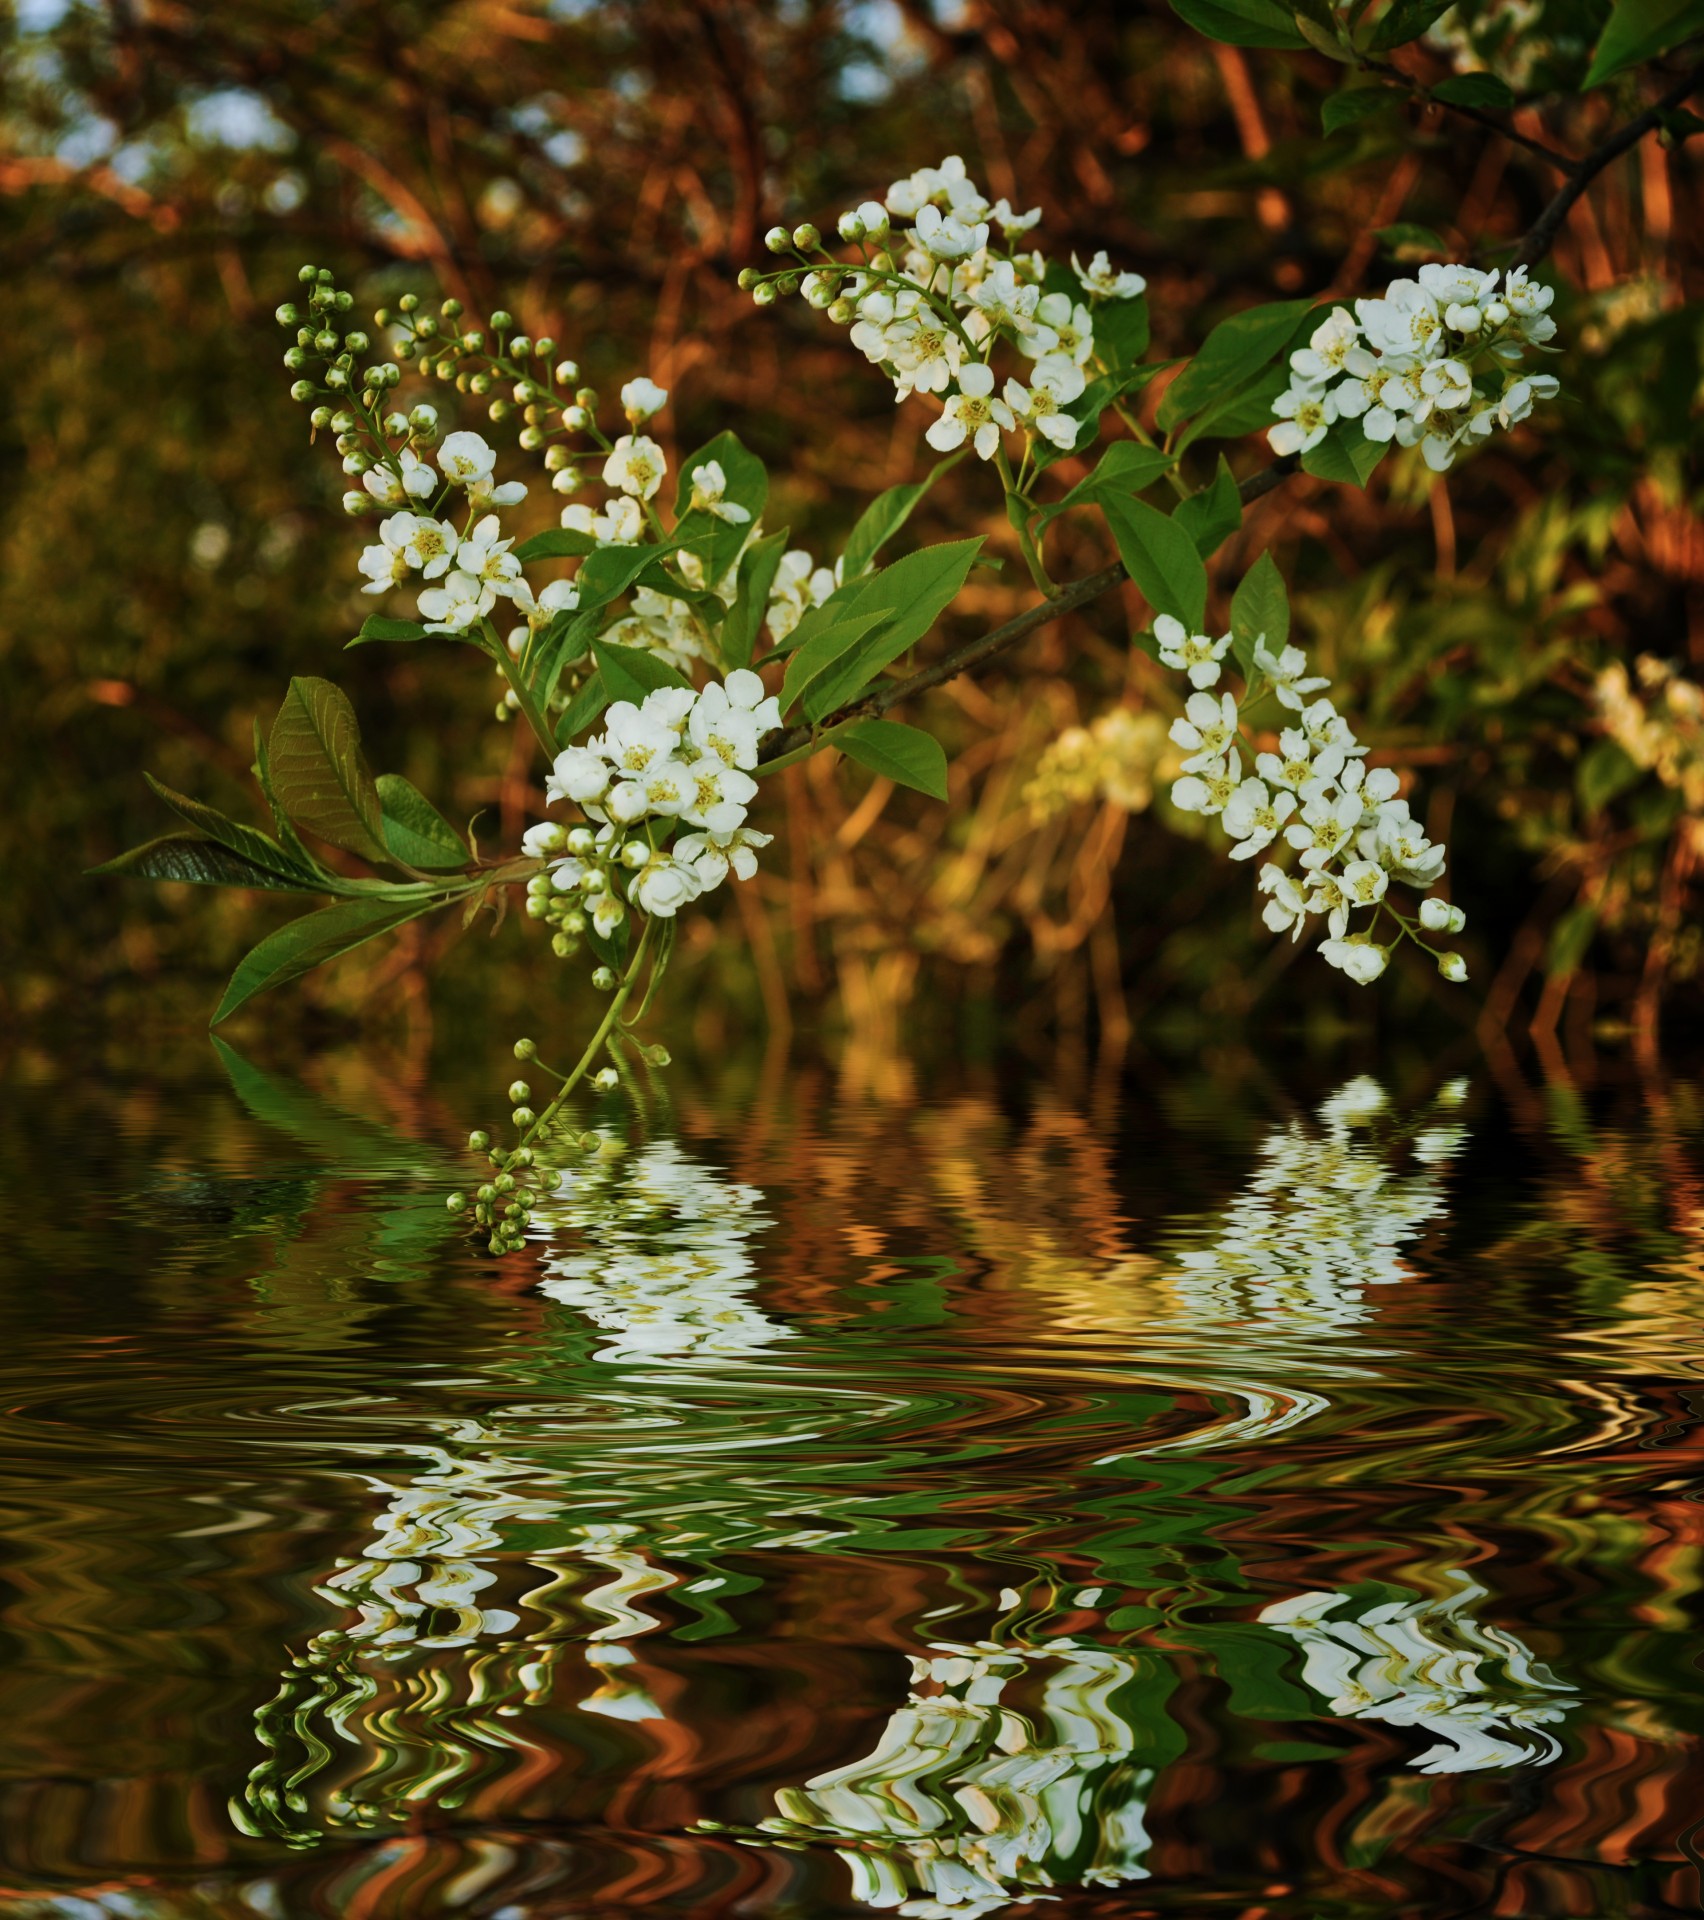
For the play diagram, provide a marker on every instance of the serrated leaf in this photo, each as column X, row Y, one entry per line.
column 256, row 849
column 820, row 652
column 1345, row 455
column 758, row 566
column 1241, row 23
column 1124, row 469
column 1213, row 514
column 1231, row 355
column 1160, row 556
column 1260, row 614
column 378, row 626
column 1639, row 30
column 1353, row 105
column 1474, row 90
column 910, row 596
column 885, row 515
column 318, row 772
column 555, row 543
column 310, row 942
column 904, row 754
column 202, row 862
column 582, row 710
column 629, row 673
column 1406, row 20
column 417, row 834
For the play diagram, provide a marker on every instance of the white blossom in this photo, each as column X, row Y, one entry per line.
column 1208, row 790
column 1253, row 816
column 417, row 481
column 1438, row 916
column 1206, row 729
column 1357, row 956
column 947, row 237
column 1287, row 910
column 972, row 412
column 1054, row 383
column 1099, row 279
column 1287, row 671
column 1191, row 653
column 643, row 397
column 636, row 466
column 457, row 604
column 1305, row 417
column 664, row 886
column 1322, row 359
column 466, row 457
column 709, row 485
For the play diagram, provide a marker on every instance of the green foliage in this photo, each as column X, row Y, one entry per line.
column 886, row 514
column 318, row 772
column 1475, row 90
column 628, row 673
column 1260, row 614
column 906, row 599
column 1405, row 20
column 1639, row 30
column 379, row 627
column 1161, row 557
column 1242, row 23
column 204, row 863
column 416, row 833
column 310, row 942
column 1214, row 514
column 904, row 754
column 1125, row 469
column 825, row 645
column 1232, row 354
column 1345, row 455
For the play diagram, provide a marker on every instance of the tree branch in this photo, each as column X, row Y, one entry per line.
column 1541, row 235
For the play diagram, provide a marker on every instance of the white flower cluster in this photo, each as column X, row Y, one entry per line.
column 933, row 298
column 1350, row 827
column 1428, row 1664
column 1325, row 1215
column 472, row 566
column 678, row 758
column 970, row 1801
column 1404, row 365
column 661, row 1260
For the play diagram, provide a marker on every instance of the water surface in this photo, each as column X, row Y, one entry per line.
column 1275, row 1498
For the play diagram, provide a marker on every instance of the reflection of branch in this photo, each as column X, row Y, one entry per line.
column 1541, row 235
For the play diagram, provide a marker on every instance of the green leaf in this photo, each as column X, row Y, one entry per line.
column 1123, row 470
column 289, row 869
column 607, row 574
column 1639, row 30
column 1474, row 90
column 565, row 641
column 377, row 627
column 318, row 772
column 1604, row 773
column 1241, row 23
column 758, row 566
column 629, row 673
column 1570, row 937
column 583, row 709
column 311, row 941
column 294, row 845
column 1260, row 613
column 1353, row 105
column 885, row 515
column 910, row 596
column 555, row 543
column 1345, row 455
column 907, row 755
column 1406, row 21
column 1248, row 411
column 1121, row 330
column 1160, row 556
column 417, row 834
column 1213, row 514
column 820, row 652
column 204, row 863
column 357, row 1145
column 1329, row 40
column 1231, row 355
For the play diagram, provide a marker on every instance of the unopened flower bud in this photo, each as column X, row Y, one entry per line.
column 777, row 240
column 287, row 315
column 659, row 1055
column 523, row 1117
column 302, row 390
column 355, row 504
column 526, row 1049
column 1453, row 967
column 521, row 345
column 606, row 1080
column 501, row 322
column 748, row 278
column 851, row 226
column 519, row 1091
column 576, row 419
column 567, row 371
column 456, row 1203
column 842, row 313
column 409, row 303
column 581, row 841
column 603, row 979
column 635, row 854
column 356, row 342
column 805, row 237
column 320, row 417
column 763, row 295
column 305, row 274
column 336, row 378
column 1497, row 312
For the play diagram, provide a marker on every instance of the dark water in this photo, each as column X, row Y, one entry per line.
column 1257, row 1498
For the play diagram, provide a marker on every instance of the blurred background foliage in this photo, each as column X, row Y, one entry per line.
column 1524, row 634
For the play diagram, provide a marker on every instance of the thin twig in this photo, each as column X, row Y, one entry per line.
column 1550, row 155
column 1541, row 235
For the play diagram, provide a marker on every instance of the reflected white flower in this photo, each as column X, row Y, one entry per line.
column 1428, row 1664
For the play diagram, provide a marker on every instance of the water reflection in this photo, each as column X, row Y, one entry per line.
column 920, row 1513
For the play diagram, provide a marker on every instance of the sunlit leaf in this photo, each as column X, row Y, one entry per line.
column 629, row 673
column 907, row 755
column 1639, row 30
column 1161, row 557
column 1232, row 354
column 910, row 597
column 417, row 834
column 311, row 941
column 886, row 514
column 318, row 772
